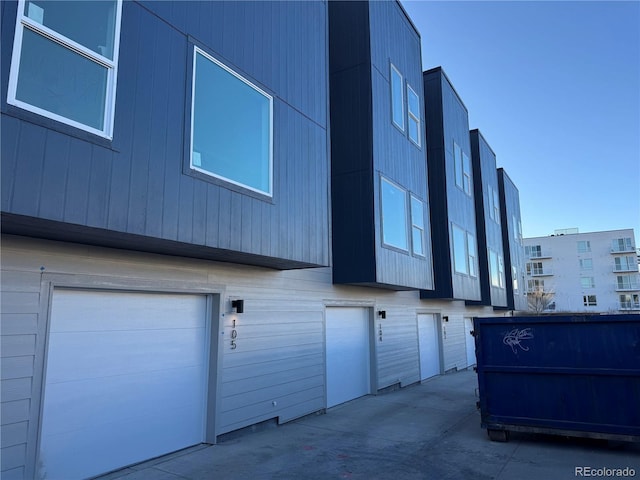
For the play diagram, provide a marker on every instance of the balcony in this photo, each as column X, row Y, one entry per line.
column 629, row 306
column 622, row 245
column 625, row 268
column 540, row 272
column 537, row 254
column 628, row 286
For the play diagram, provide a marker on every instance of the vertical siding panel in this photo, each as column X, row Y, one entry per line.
column 225, row 219
column 163, row 99
column 98, row 201
column 28, row 169
column 142, row 135
column 10, row 133
column 213, row 213
column 199, row 213
column 246, row 230
column 55, row 175
column 185, row 210
column 77, row 191
column 174, row 142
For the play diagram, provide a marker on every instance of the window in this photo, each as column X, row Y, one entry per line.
column 584, row 246
column 464, row 251
column 501, row 271
column 413, row 108
column 630, row 301
column 462, row 169
column 494, row 204
column 535, row 285
column 231, row 126
column 417, row 226
column 394, row 215
column 627, row 282
column 517, row 230
column 466, row 173
column 533, row 251
column 493, row 268
column 589, row 300
column 534, row 268
column 514, row 278
column 397, row 98
column 586, row 264
column 471, row 254
column 64, row 63
column 459, row 250
column 587, row 282
column 622, row 245
column 623, row 264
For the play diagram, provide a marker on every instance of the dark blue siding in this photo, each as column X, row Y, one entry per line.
column 365, row 38
column 485, row 177
column 444, row 107
column 135, row 191
column 512, row 241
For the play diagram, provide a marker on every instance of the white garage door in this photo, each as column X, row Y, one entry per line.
column 471, row 345
column 429, row 350
column 125, row 380
column 348, row 354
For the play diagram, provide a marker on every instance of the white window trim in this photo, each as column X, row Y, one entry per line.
column 413, row 225
column 23, row 22
column 393, row 68
column 197, row 50
column 472, row 255
column 467, row 179
column 406, row 211
column 411, row 116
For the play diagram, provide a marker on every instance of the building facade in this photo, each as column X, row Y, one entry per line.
column 181, row 255
column 583, row 272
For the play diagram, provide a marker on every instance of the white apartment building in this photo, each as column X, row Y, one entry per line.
column 583, row 272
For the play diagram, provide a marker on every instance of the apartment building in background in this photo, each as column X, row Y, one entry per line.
column 216, row 214
column 583, row 272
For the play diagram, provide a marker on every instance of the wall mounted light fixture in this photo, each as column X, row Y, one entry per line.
column 382, row 313
column 238, row 305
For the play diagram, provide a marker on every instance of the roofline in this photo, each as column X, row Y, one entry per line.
column 551, row 235
column 506, row 175
column 413, row 25
column 483, row 139
column 441, row 70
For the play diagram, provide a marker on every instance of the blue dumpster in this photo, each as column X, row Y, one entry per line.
column 575, row 375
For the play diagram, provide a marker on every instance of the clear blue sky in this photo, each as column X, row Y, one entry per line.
column 555, row 89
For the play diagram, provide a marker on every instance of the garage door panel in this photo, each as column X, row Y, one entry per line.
column 71, row 406
column 110, row 353
column 152, row 435
column 102, row 310
column 124, row 380
column 348, row 354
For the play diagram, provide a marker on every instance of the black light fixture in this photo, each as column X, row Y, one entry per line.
column 382, row 313
column 238, row 305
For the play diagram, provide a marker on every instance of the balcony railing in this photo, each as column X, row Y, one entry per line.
column 541, row 272
column 629, row 305
column 627, row 286
column 625, row 268
column 539, row 254
column 623, row 249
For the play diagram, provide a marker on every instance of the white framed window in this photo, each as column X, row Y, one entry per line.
column 394, row 215
column 493, row 268
column 514, row 278
column 501, row 272
column 627, row 282
column 471, row 254
column 589, row 300
column 622, row 245
column 535, row 285
column 65, row 60
column 459, row 250
column 457, row 165
column 417, row 226
column 464, row 251
column 413, row 109
column 466, row 173
column 533, row 251
column 587, row 282
column 534, row 268
column 462, row 169
column 397, row 97
column 496, row 205
column 231, row 126
column 586, row 264
column 584, row 246
column 627, row 263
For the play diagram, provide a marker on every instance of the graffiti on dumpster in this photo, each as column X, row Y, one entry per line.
column 515, row 337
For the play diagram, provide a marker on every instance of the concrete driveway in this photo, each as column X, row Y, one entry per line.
column 427, row 431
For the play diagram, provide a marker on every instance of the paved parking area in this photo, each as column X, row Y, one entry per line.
column 427, row 431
